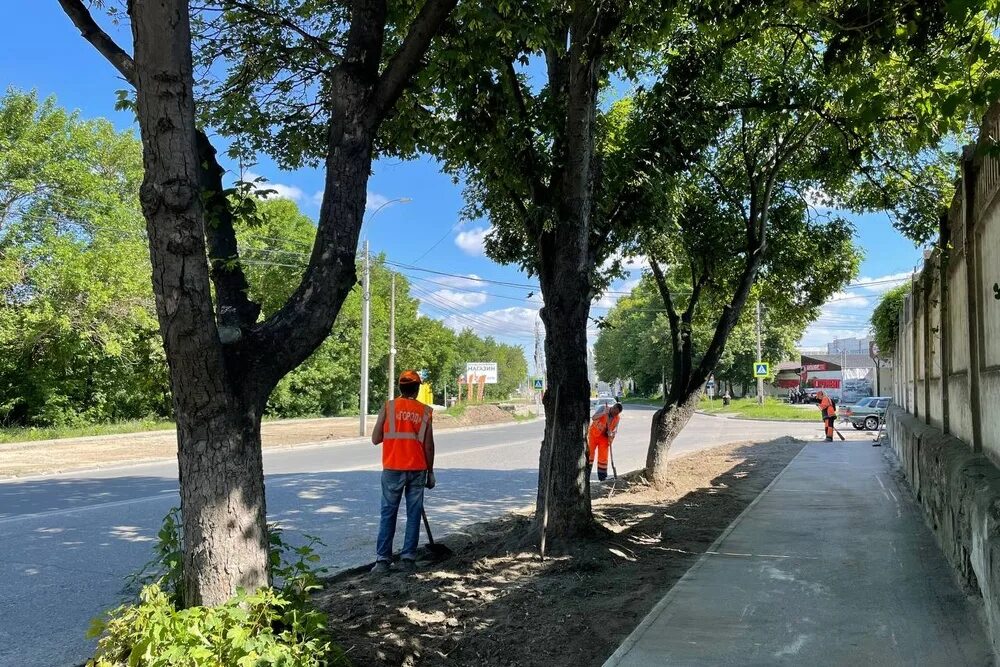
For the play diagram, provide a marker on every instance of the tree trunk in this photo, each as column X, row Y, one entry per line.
column 668, row 422
column 221, row 477
column 222, row 505
column 563, row 455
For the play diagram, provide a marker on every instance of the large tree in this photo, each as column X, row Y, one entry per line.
column 223, row 362
column 797, row 114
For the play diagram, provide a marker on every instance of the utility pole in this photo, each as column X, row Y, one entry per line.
column 539, row 357
column 392, row 337
column 365, row 316
column 760, row 380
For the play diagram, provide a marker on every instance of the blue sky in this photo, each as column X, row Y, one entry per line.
column 43, row 51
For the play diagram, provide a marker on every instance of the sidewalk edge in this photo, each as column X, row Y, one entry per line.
column 633, row 638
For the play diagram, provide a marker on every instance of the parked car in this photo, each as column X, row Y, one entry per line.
column 867, row 413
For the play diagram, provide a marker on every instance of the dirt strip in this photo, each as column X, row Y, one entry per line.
column 494, row 603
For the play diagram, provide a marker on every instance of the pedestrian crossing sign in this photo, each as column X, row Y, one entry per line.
column 761, row 369
column 539, row 384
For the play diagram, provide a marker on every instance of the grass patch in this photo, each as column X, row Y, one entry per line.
column 747, row 408
column 26, row 434
column 456, row 410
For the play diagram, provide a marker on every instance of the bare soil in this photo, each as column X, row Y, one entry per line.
column 495, row 603
column 50, row 456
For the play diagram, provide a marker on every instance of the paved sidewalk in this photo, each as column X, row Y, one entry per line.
column 831, row 565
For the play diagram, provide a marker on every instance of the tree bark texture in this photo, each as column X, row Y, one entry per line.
column 685, row 387
column 221, row 478
column 667, row 424
column 565, row 275
column 220, row 385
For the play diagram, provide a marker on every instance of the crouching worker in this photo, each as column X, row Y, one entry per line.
column 603, row 428
column 404, row 430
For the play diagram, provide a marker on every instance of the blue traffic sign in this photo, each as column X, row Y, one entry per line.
column 761, row 369
column 539, row 383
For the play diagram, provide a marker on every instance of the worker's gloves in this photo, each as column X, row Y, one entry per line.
column 431, row 482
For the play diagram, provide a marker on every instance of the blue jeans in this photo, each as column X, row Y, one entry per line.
column 396, row 483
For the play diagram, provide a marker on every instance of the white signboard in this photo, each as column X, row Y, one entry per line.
column 476, row 369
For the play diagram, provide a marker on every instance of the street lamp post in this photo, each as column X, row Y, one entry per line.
column 366, row 321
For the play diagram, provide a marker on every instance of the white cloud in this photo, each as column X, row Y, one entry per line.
column 515, row 321
column 614, row 293
column 469, row 281
column 881, row 284
column 846, row 314
column 471, row 241
column 374, row 200
column 817, row 200
column 628, row 262
column 463, row 299
column 281, row 190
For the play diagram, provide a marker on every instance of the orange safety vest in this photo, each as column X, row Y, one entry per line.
column 826, row 407
column 602, row 428
column 405, row 427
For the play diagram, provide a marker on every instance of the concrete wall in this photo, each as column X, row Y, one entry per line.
column 945, row 422
column 959, row 491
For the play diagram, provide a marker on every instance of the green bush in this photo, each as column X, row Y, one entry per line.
column 270, row 627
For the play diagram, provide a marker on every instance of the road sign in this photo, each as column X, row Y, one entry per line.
column 761, row 369
column 478, row 369
column 539, row 384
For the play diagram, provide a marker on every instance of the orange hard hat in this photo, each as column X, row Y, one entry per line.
column 409, row 377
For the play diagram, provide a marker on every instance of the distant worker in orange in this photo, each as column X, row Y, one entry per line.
column 603, row 428
column 404, row 430
column 829, row 412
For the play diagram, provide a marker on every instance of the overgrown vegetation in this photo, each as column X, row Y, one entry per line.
column 885, row 320
column 30, row 433
column 79, row 343
column 276, row 625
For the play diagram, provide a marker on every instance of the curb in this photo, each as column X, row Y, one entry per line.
column 633, row 638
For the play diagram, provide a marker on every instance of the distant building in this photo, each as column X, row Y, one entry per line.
column 849, row 346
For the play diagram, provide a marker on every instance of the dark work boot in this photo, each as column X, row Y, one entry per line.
column 829, row 438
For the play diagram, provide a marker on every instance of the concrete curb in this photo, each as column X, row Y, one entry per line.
column 633, row 638
column 339, row 442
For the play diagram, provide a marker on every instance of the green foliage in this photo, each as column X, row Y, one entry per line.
column 272, row 626
column 885, row 319
column 79, row 339
column 22, row 434
column 748, row 408
column 252, row 629
column 78, row 330
column 634, row 341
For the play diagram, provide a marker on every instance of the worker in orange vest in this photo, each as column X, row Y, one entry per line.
column 603, row 428
column 406, row 434
column 829, row 413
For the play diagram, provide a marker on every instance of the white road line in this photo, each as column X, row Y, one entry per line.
column 172, row 494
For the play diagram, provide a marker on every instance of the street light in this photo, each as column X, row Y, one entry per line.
column 366, row 319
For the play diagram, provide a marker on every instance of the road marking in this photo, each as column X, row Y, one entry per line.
column 171, row 495
column 71, row 510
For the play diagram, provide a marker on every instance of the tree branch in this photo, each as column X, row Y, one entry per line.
column 321, row 44
column 233, row 306
column 93, row 33
column 408, row 58
column 675, row 330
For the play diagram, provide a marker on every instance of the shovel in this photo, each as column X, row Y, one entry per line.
column 438, row 551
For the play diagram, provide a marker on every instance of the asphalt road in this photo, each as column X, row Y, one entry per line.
column 68, row 541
